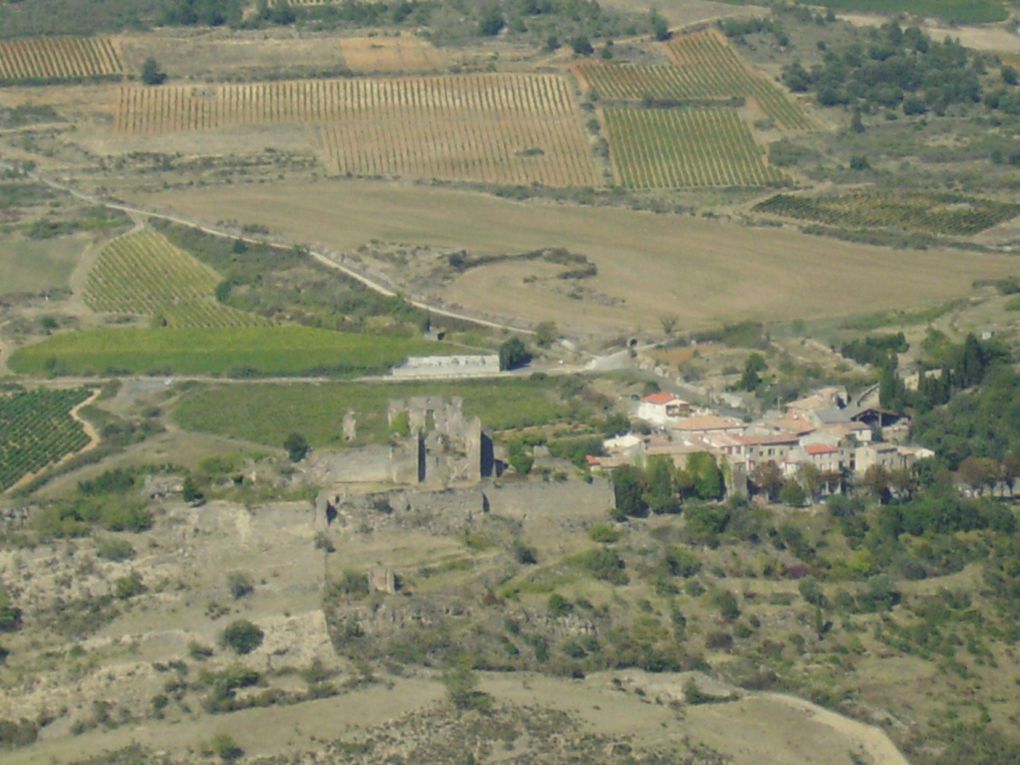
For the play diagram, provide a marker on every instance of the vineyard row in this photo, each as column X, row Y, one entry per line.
column 37, row 430
column 675, row 148
column 43, row 58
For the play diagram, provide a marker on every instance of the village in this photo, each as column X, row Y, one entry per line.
column 824, row 440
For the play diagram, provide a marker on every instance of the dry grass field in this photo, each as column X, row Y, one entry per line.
column 58, row 58
column 706, row 272
column 498, row 128
column 403, row 53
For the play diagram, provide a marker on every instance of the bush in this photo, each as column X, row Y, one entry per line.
column 224, row 747
column 513, row 354
column 523, row 554
column 16, row 734
column 296, row 446
column 113, row 549
column 242, row 636
column 604, row 533
column 128, row 586
column 461, row 690
column 10, row 616
column 604, row 564
column 240, row 584
column 151, row 74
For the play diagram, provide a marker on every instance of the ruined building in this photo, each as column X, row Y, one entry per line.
column 438, row 445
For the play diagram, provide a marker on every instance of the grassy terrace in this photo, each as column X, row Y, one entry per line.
column 267, row 413
column 236, row 351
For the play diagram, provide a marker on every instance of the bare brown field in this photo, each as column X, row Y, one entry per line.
column 219, row 55
column 705, row 272
column 403, row 53
column 58, row 58
column 498, row 128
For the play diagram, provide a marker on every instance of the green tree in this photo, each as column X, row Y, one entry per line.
column 629, row 491
column 492, row 21
column 242, row 636
column 190, row 491
column 545, row 334
column 513, row 353
column 659, row 26
column 581, row 45
column 708, row 478
column 660, row 482
column 768, row 478
column 753, row 367
column 151, row 73
column 296, row 446
column 810, row 478
column 792, row 494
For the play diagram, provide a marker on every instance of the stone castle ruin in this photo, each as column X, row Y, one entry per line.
column 441, row 445
column 432, row 445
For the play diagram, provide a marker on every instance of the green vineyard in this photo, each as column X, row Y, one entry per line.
column 678, row 148
column 37, row 430
column 704, row 68
column 143, row 274
column 948, row 214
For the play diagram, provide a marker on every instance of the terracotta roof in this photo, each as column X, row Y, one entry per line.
column 708, row 422
column 820, row 449
column 775, row 438
column 792, row 424
column 659, row 398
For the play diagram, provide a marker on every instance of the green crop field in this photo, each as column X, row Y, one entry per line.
column 144, row 274
column 950, row 214
column 675, row 148
column 267, row 413
column 36, row 430
column 704, row 68
column 283, row 350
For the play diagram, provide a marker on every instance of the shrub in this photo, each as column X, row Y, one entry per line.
column 151, row 74
column 604, row 564
column 523, row 554
column 113, row 549
column 604, row 533
column 240, row 584
column 727, row 604
column 128, row 586
column 679, row 561
column 10, row 616
column 559, row 605
column 224, row 747
column 461, row 690
column 242, row 636
column 296, row 446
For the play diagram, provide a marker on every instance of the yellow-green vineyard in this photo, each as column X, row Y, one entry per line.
column 676, row 148
column 142, row 274
column 704, row 68
column 498, row 128
column 58, row 58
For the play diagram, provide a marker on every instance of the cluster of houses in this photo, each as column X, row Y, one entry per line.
column 824, row 429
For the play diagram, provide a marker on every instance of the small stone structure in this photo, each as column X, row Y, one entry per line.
column 448, row 366
column 350, row 426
